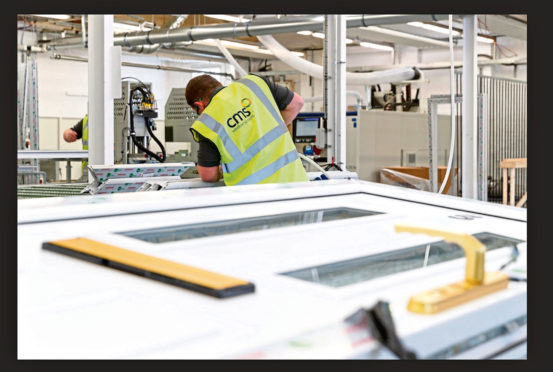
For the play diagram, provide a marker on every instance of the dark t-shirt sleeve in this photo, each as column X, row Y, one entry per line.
column 78, row 128
column 208, row 154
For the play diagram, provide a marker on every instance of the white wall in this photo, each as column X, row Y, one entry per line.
column 63, row 85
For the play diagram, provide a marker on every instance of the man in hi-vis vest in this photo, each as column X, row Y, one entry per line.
column 243, row 131
column 78, row 131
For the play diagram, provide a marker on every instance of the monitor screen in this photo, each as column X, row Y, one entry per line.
column 307, row 127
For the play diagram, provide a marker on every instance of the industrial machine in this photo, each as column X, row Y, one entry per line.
column 179, row 117
column 340, row 269
column 309, row 135
column 134, row 125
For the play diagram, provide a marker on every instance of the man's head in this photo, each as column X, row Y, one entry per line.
column 198, row 92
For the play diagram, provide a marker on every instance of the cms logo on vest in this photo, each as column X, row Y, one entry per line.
column 240, row 114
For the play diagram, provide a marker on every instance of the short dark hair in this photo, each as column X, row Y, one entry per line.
column 200, row 87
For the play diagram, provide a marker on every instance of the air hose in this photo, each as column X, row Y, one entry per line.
column 452, row 93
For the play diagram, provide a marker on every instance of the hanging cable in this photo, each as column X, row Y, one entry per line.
column 146, row 95
column 311, row 161
column 452, row 89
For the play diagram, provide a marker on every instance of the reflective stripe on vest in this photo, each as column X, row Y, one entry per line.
column 233, row 158
column 261, row 174
column 238, row 157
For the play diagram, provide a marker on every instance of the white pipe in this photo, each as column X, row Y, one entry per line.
column 452, row 92
column 470, row 133
column 312, row 69
column 83, row 30
column 239, row 70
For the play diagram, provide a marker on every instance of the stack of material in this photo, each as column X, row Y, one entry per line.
column 49, row 190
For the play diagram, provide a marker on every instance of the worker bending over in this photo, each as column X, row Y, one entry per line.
column 243, row 132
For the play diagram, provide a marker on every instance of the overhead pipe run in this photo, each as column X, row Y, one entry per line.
column 283, row 25
column 143, row 49
column 143, row 65
column 312, row 69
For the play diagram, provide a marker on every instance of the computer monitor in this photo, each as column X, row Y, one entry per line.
column 305, row 129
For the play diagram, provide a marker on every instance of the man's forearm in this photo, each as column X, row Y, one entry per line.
column 292, row 110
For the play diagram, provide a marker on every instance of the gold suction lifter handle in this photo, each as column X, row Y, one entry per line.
column 477, row 283
column 474, row 250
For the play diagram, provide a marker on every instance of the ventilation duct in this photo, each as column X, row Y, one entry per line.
column 282, row 25
column 312, row 69
column 144, row 49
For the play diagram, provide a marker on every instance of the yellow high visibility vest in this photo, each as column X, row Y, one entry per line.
column 244, row 122
column 84, row 140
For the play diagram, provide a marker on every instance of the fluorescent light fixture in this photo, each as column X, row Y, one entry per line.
column 376, row 46
column 319, row 35
column 129, row 27
column 299, row 54
column 441, row 30
column 226, row 17
column 125, row 27
column 56, row 16
column 444, row 30
column 483, row 39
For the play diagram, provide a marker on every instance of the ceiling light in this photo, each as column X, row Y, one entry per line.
column 56, row 16
column 403, row 35
column 484, row 39
column 128, row 27
column 299, row 54
column 226, row 17
column 376, row 46
column 264, row 51
column 444, row 30
column 320, row 35
column 439, row 29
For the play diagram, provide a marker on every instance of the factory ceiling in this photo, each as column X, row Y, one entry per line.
column 432, row 35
